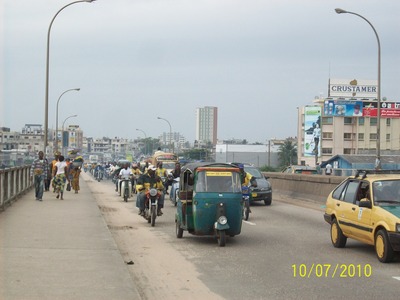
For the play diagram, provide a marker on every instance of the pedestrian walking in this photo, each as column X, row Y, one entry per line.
column 53, row 168
column 74, row 174
column 60, row 176
column 328, row 169
column 39, row 171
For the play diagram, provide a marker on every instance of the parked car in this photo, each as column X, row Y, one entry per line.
column 366, row 207
column 299, row 169
column 263, row 191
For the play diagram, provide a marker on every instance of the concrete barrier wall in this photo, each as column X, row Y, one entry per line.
column 312, row 187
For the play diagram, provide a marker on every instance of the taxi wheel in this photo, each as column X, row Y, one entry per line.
column 383, row 249
column 337, row 237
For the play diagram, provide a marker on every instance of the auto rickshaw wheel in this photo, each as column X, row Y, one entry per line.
column 178, row 229
column 221, row 238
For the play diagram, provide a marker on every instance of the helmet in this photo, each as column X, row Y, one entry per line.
column 151, row 167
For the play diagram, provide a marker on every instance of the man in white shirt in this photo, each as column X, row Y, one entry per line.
column 124, row 173
column 328, row 169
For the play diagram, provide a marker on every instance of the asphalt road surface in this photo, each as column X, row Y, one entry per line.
column 283, row 252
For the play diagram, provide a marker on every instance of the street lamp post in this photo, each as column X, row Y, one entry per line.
column 170, row 133
column 378, row 127
column 145, row 136
column 46, row 103
column 57, row 114
column 62, row 133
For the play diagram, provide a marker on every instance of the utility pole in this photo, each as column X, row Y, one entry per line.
column 269, row 153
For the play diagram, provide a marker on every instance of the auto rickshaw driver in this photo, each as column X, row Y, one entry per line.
column 144, row 183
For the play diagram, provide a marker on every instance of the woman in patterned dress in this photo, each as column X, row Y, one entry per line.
column 60, row 176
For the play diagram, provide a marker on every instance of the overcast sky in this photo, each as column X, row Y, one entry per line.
column 135, row 60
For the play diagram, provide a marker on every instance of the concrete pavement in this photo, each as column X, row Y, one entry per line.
column 60, row 249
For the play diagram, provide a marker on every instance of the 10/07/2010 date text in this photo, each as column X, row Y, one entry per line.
column 332, row 271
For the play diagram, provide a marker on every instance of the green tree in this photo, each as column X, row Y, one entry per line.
column 287, row 153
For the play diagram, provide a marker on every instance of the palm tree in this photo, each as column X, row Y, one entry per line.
column 287, row 153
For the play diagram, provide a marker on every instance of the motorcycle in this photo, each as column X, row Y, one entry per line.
column 151, row 206
column 246, row 202
column 173, row 195
column 107, row 173
column 126, row 188
column 99, row 175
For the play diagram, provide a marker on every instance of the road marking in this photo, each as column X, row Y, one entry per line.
column 396, row 277
column 249, row 223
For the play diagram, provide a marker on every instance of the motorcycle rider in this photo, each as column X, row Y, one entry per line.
column 175, row 173
column 246, row 178
column 144, row 183
column 124, row 173
column 136, row 173
column 161, row 172
column 97, row 170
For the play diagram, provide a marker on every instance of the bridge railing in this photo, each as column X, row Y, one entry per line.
column 14, row 182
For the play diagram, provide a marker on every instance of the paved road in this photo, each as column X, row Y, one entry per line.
column 284, row 252
column 60, row 249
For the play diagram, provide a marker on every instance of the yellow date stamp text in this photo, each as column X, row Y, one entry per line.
column 332, row 270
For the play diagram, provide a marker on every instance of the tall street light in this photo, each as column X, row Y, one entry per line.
column 145, row 136
column 170, row 132
column 378, row 127
column 62, row 133
column 78, row 89
column 46, row 102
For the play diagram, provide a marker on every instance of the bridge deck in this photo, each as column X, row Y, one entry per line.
column 60, row 249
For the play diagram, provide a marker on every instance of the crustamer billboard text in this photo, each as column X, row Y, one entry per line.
column 347, row 88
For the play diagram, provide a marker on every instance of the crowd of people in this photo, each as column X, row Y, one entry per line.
column 55, row 174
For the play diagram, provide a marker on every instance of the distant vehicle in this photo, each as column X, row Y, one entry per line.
column 168, row 160
column 93, row 159
column 263, row 191
column 299, row 169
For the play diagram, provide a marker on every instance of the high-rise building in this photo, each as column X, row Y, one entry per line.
column 206, row 124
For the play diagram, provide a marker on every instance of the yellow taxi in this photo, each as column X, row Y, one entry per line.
column 366, row 207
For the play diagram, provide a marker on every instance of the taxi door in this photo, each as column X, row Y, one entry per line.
column 363, row 228
column 346, row 208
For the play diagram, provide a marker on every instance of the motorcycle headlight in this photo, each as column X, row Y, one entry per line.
column 397, row 227
column 222, row 220
column 153, row 192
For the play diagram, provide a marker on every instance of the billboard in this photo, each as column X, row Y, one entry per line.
column 352, row 108
column 388, row 109
column 347, row 88
column 312, row 131
column 343, row 108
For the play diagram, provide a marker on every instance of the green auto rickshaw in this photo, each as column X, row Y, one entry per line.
column 209, row 201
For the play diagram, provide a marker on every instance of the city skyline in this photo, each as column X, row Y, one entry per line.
column 134, row 61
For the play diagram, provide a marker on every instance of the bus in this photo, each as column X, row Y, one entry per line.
column 93, row 159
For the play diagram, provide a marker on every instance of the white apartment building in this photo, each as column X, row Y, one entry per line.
column 206, row 124
column 178, row 141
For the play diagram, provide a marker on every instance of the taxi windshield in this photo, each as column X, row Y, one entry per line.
column 218, row 182
column 386, row 192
